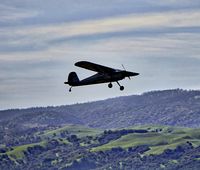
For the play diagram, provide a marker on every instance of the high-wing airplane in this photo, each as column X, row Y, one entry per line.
column 104, row 75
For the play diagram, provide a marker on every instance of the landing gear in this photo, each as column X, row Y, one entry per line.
column 121, row 87
column 70, row 89
column 110, row 85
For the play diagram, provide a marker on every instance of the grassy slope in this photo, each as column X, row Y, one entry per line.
column 80, row 131
column 18, row 151
column 168, row 138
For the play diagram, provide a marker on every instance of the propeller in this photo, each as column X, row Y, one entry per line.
column 125, row 70
column 123, row 67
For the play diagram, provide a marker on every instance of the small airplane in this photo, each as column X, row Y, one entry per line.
column 104, row 75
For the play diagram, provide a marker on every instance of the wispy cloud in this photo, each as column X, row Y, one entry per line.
column 172, row 3
column 41, row 40
column 12, row 14
column 120, row 23
column 41, row 37
column 179, row 44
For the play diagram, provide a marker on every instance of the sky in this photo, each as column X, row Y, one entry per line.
column 41, row 40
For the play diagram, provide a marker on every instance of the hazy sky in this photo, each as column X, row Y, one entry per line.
column 40, row 40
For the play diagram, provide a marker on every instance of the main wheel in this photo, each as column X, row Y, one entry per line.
column 121, row 88
column 110, row 85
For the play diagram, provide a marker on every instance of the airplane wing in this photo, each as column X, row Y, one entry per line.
column 94, row 67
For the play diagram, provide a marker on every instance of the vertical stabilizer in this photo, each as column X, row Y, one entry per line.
column 73, row 79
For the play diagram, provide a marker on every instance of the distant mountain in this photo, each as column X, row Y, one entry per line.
column 169, row 107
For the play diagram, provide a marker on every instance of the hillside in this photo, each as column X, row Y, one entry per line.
column 77, row 147
column 155, row 130
column 168, row 107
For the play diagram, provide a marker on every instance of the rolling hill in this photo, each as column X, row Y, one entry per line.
column 155, row 130
column 169, row 107
column 77, row 147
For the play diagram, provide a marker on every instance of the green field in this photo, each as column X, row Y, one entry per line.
column 80, row 131
column 158, row 138
column 168, row 138
column 18, row 151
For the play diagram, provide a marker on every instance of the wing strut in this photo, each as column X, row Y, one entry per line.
column 121, row 87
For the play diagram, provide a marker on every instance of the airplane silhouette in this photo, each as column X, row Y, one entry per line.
column 104, row 75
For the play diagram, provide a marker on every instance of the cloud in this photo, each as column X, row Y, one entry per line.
column 12, row 14
column 120, row 23
column 159, row 39
column 172, row 3
column 180, row 44
column 42, row 37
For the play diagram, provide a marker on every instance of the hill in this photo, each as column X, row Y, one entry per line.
column 155, row 130
column 81, row 148
column 168, row 107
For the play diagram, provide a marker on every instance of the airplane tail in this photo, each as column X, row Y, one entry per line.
column 72, row 79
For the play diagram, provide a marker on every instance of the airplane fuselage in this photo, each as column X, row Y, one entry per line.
column 104, row 78
column 101, row 78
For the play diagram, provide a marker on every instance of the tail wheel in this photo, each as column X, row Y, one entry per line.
column 70, row 89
